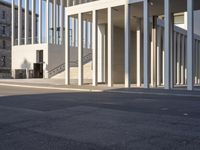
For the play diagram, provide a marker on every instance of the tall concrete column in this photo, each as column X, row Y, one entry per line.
column 196, row 62
column 67, row 51
column 33, row 22
column 54, row 17
column 175, row 58
column 190, row 37
column 47, row 21
column 138, row 39
column 146, row 43
column 80, row 50
column 13, row 23
column 61, row 22
column 183, row 60
column 94, row 45
column 40, row 22
column 110, row 47
column 199, row 62
column 167, row 42
column 154, row 46
column 26, row 25
column 159, row 56
column 127, row 25
column 19, row 21
column 178, row 58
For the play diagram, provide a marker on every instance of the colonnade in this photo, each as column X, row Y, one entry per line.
column 182, row 73
column 33, row 28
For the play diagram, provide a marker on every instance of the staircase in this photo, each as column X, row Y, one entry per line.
column 86, row 59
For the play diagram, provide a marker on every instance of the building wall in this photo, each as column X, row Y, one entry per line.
column 5, row 38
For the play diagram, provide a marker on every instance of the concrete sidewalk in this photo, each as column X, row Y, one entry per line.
column 58, row 84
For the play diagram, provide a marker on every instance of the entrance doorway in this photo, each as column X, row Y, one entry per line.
column 38, row 66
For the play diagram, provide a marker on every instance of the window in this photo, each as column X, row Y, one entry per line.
column 3, row 14
column 4, row 44
column 3, row 61
column 179, row 18
column 4, row 30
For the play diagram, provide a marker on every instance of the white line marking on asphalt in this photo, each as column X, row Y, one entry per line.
column 95, row 90
column 50, row 88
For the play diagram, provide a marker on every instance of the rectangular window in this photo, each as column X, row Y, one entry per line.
column 4, row 44
column 3, row 30
column 3, row 14
column 3, row 61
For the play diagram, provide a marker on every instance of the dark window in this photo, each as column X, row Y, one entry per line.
column 3, row 61
column 3, row 14
column 4, row 44
column 3, row 29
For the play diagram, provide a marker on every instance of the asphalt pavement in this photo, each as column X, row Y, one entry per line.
column 53, row 119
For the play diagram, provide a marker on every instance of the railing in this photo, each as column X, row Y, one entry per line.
column 61, row 67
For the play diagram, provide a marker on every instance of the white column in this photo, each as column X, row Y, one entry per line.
column 80, row 50
column 54, row 21
column 199, row 62
column 33, row 22
column 73, row 30
column 26, row 26
column 190, row 37
column 183, row 60
column 13, row 22
column 110, row 47
column 159, row 56
column 67, row 51
column 178, row 58
column 61, row 22
column 94, row 45
column 138, row 38
column 146, row 44
column 47, row 21
column 40, row 22
column 167, row 43
column 196, row 61
column 19, row 21
column 86, row 33
column 175, row 56
column 154, row 46
column 127, row 25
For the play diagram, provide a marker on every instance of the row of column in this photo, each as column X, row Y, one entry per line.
column 168, row 73
column 87, row 33
column 34, row 38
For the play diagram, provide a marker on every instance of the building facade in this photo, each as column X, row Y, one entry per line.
column 136, row 42
column 40, row 52
column 5, row 39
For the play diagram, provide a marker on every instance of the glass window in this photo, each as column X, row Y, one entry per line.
column 4, row 44
column 3, row 14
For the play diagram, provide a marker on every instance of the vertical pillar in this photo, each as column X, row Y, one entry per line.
column 40, row 22
column 167, row 43
column 61, row 22
column 19, row 21
column 190, row 37
column 110, row 47
column 33, row 22
column 13, row 22
column 175, row 56
column 196, row 62
column 183, row 60
column 172, row 51
column 159, row 56
column 54, row 22
column 154, row 46
column 146, row 43
column 94, row 45
column 80, row 50
column 67, row 51
column 138, row 38
column 26, row 26
column 47, row 21
column 86, row 33
column 178, row 58
column 199, row 62
column 127, row 25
